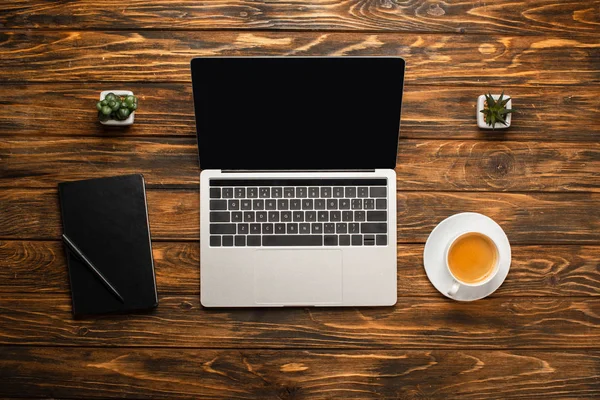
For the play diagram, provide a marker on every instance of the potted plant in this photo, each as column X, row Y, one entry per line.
column 117, row 107
column 494, row 111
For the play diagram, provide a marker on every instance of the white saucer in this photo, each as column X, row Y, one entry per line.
column 434, row 254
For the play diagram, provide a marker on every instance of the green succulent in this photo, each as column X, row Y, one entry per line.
column 495, row 111
column 116, row 107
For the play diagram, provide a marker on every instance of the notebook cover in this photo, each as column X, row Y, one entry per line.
column 107, row 219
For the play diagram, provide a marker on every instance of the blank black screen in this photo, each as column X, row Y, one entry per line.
column 297, row 113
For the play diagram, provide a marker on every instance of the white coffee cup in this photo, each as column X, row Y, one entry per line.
column 457, row 284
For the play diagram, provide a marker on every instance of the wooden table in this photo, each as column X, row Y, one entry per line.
column 538, row 336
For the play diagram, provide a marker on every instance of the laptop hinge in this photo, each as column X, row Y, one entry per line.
column 244, row 171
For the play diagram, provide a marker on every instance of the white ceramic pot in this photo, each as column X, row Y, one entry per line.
column 480, row 118
column 115, row 122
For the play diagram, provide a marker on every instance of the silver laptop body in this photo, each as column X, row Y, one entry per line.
column 276, row 229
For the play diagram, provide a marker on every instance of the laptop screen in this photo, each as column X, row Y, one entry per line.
column 297, row 112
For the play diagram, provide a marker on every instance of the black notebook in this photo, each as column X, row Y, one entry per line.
column 107, row 220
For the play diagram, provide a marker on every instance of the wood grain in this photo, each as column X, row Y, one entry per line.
column 158, row 56
column 40, row 266
column 251, row 374
column 422, row 164
column 542, row 218
column 516, row 17
column 180, row 321
column 166, row 109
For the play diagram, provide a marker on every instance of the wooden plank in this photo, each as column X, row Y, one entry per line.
column 40, row 266
column 158, row 56
column 541, row 218
column 167, row 110
column 219, row 374
column 423, row 322
column 422, row 164
column 515, row 17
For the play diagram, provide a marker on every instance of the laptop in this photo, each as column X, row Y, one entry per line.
column 297, row 189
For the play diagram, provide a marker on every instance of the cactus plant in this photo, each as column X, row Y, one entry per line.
column 495, row 111
column 115, row 107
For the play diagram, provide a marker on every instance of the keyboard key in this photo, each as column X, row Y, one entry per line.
column 283, row 204
column 311, row 216
column 344, row 204
column 332, row 204
column 381, row 240
column 258, row 204
column 219, row 216
column 369, row 240
column 356, row 240
column 347, row 215
column 381, row 204
column 338, row 192
column 292, row 228
column 271, row 204
column 277, row 192
column 378, row 227
column 240, row 241
column 307, row 204
column 222, row 229
column 298, row 216
column 249, row 216
column 304, row 228
column 286, row 216
column 313, row 192
column 218, row 205
column 240, row 193
column 344, row 240
column 253, row 240
column 329, row 228
column 354, row 227
column 359, row 216
column 356, row 204
column 227, row 193
column 255, row 229
column 279, row 228
column 252, row 193
column 335, row 216
column 234, row 204
column 215, row 193
column 246, row 204
column 236, row 216
column 301, row 192
column 323, row 216
column 351, row 191
column 317, row 228
column 261, row 216
column 325, row 192
column 273, row 216
column 293, row 240
column 289, row 192
column 319, row 204
column 267, row 229
column 341, row 227
column 369, row 204
column 295, row 204
column 243, row 229
column 363, row 191
column 376, row 215
column 228, row 241
column 215, row 241
column 378, row 191
column 264, row 192
column 330, row 240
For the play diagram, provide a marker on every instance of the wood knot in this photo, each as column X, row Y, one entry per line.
column 82, row 331
column 186, row 305
column 500, row 164
column 289, row 392
column 436, row 10
column 553, row 280
column 243, row 14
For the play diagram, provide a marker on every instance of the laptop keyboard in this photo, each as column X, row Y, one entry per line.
column 298, row 212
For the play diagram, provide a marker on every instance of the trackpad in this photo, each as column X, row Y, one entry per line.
column 292, row 277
